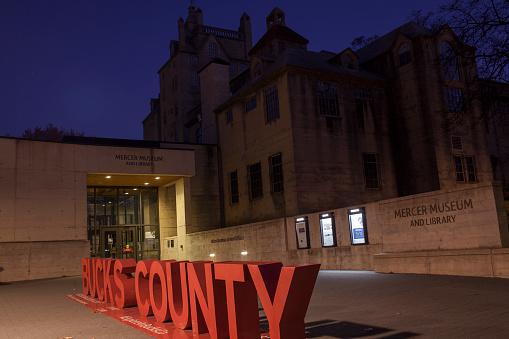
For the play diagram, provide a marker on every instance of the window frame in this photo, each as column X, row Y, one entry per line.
column 463, row 170
column 255, row 177
column 276, row 172
column 213, row 52
column 454, row 99
column 328, row 99
column 376, row 171
column 271, row 99
column 404, row 54
column 250, row 104
column 233, row 188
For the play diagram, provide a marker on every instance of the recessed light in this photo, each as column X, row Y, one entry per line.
column 146, row 183
column 126, row 193
column 108, row 177
column 157, row 178
column 212, row 255
column 243, row 253
column 135, row 189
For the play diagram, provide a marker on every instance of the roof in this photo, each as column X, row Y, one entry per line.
column 318, row 61
column 410, row 29
column 280, row 32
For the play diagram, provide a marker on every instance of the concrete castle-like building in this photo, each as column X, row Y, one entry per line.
column 371, row 159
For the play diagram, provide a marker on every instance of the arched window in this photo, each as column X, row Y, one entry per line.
column 404, row 54
column 347, row 61
column 449, row 62
column 212, row 50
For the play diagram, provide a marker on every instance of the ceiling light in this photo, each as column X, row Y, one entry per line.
column 135, row 189
column 212, row 255
column 157, row 178
column 108, row 176
column 146, row 183
column 243, row 253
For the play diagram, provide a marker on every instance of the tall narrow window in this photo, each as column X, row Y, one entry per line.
column 371, row 170
column 449, row 62
column 234, row 188
column 271, row 103
column 212, row 50
column 458, row 167
column 470, row 167
column 195, row 80
column 328, row 100
column 454, row 97
column 404, row 54
column 250, row 103
column 255, row 180
column 464, row 167
column 199, row 136
column 229, row 117
column 193, row 60
column 276, row 173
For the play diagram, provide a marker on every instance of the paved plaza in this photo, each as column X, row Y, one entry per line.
column 345, row 304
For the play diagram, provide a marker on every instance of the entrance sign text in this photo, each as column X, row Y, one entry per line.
column 218, row 298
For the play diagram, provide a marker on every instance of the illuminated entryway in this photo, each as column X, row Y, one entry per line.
column 123, row 222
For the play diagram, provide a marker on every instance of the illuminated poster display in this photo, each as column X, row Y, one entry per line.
column 358, row 230
column 302, row 232
column 328, row 229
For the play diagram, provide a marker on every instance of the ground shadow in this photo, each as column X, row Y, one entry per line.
column 346, row 329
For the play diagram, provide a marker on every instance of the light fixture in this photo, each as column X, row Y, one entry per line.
column 108, row 177
column 146, row 183
column 135, row 189
column 157, row 178
column 355, row 210
column 243, row 253
column 212, row 255
column 126, row 192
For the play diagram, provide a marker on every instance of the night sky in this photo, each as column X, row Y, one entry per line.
column 91, row 65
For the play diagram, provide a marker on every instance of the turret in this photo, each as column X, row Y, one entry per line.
column 275, row 17
column 245, row 28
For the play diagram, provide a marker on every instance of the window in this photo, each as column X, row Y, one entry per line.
column 470, row 167
column 255, row 180
column 258, row 69
column 233, row 66
column 276, row 173
column 271, row 103
column 454, row 97
column 176, row 128
column 404, row 54
column 193, row 60
column 199, row 136
column 243, row 67
column 234, row 188
column 347, row 61
column 449, row 62
column 229, row 117
column 464, row 167
column 281, row 47
column 212, row 50
column 328, row 101
column 362, row 93
column 195, row 80
column 371, row 170
column 250, row 104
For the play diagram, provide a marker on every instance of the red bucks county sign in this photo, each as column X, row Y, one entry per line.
column 219, row 299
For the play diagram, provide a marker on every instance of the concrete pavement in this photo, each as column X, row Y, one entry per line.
column 345, row 304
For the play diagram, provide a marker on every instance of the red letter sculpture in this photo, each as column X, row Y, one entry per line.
column 125, row 283
column 178, row 295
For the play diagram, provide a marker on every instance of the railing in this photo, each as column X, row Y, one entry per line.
column 221, row 32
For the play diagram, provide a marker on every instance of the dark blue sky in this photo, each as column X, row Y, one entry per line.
column 92, row 65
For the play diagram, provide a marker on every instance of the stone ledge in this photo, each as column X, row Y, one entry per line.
column 475, row 262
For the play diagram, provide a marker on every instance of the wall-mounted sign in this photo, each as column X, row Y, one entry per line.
column 358, row 229
column 328, row 229
column 150, row 238
column 302, row 232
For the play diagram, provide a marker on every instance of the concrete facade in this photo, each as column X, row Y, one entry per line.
column 43, row 218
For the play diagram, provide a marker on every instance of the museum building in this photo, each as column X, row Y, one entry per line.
column 272, row 152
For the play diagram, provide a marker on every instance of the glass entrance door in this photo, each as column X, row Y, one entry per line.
column 118, row 243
